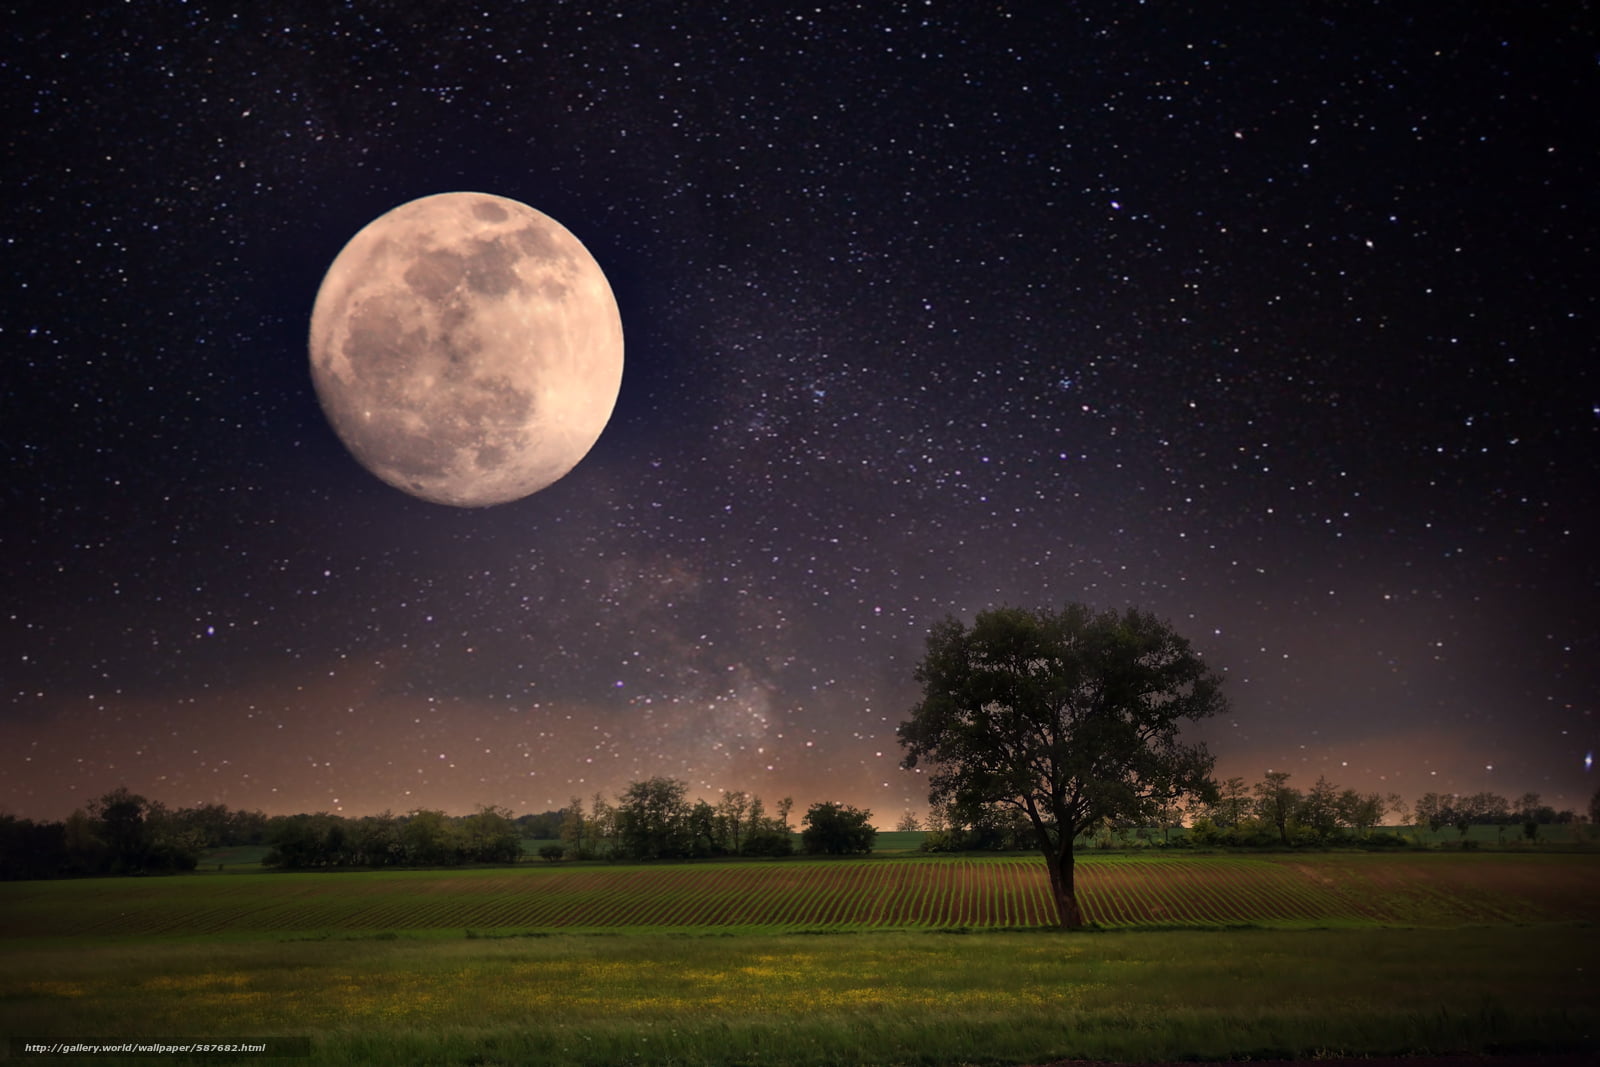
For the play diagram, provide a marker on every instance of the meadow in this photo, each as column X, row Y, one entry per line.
column 905, row 960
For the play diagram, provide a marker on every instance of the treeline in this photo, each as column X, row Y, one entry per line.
column 654, row 819
column 123, row 833
column 1270, row 813
column 421, row 838
column 1438, row 810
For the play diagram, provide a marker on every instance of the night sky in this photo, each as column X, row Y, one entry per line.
column 1277, row 320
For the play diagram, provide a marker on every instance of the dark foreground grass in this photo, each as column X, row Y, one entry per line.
column 865, row 998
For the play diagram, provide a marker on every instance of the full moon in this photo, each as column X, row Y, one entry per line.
column 466, row 348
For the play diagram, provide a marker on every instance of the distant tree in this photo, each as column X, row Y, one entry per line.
column 1527, row 806
column 574, row 825
column 1395, row 804
column 247, row 828
column 653, row 819
column 84, row 852
column 908, row 823
column 604, row 826
column 1233, row 803
column 1594, row 808
column 552, row 852
column 1277, row 803
column 1319, row 809
column 766, row 836
column 542, row 825
column 1168, row 817
column 377, row 841
column 785, row 806
column 995, row 828
column 733, row 814
column 1432, row 811
column 1361, row 812
column 837, row 830
column 1070, row 717
column 121, row 816
column 768, row 840
column 430, row 839
column 703, row 837
column 1491, row 808
column 490, row 835
column 939, row 837
column 30, row 850
column 296, row 842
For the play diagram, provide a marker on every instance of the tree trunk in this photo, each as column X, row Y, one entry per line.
column 1059, row 863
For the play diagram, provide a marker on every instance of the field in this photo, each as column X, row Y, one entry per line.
column 1354, row 889
column 721, row 962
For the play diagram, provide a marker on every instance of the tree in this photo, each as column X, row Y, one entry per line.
column 1594, row 808
column 573, row 829
column 1277, row 803
column 430, row 839
column 1319, row 808
column 733, row 812
column 908, row 823
column 603, row 827
column 1233, row 801
column 1395, row 804
column 1362, row 812
column 490, row 835
column 121, row 815
column 653, row 818
column 1431, row 811
column 1069, row 717
column 837, row 830
column 703, row 840
column 85, row 851
column 378, row 841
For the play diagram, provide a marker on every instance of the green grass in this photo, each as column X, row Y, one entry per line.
column 1115, row 890
column 1197, row 956
column 855, row 998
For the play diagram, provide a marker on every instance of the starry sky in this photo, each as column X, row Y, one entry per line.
column 1277, row 320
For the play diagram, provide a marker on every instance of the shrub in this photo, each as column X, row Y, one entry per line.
column 767, row 843
column 1384, row 839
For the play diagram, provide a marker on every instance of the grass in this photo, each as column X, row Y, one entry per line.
column 1197, row 957
column 1343, row 889
column 852, row 998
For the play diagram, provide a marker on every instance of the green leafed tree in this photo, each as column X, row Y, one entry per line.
column 121, row 816
column 653, row 819
column 490, row 835
column 1233, row 803
column 1319, row 809
column 1069, row 717
column 733, row 819
column 837, row 830
column 1278, row 803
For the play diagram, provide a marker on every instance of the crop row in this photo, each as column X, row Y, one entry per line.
column 851, row 894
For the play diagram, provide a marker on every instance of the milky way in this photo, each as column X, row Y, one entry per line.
column 1276, row 322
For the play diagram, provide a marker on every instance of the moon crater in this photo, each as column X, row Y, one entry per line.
column 466, row 348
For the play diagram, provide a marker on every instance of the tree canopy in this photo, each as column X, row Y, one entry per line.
column 837, row 830
column 1070, row 717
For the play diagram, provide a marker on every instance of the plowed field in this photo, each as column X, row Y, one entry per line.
column 1332, row 889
